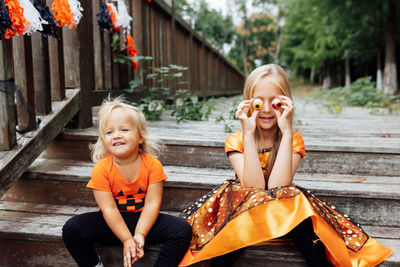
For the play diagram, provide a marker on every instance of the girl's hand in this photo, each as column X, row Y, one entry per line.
column 248, row 123
column 130, row 252
column 283, row 114
column 139, row 240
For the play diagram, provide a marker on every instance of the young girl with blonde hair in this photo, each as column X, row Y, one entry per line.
column 127, row 183
column 262, row 205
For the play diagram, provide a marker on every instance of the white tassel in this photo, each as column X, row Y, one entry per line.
column 117, row 19
column 124, row 17
column 33, row 17
column 76, row 9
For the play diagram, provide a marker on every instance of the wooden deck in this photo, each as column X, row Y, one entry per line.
column 353, row 162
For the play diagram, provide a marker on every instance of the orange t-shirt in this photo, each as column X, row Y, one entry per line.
column 128, row 196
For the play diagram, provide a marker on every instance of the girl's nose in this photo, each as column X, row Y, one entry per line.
column 266, row 106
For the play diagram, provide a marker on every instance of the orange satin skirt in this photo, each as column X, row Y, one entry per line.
column 232, row 217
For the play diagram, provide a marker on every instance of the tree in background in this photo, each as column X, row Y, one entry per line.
column 256, row 41
column 321, row 35
column 214, row 27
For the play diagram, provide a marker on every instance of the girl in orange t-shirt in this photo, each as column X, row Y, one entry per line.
column 262, row 205
column 127, row 183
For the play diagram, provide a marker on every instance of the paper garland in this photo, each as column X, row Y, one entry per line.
column 5, row 20
column 23, row 17
column 132, row 51
column 19, row 23
column 50, row 28
column 32, row 16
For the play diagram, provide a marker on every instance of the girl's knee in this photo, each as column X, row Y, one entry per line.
column 185, row 229
column 71, row 227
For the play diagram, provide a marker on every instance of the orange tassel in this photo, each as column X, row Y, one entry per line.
column 19, row 23
column 113, row 18
column 132, row 51
column 62, row 13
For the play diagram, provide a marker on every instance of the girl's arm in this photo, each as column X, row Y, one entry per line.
column 286, row 163
column 148, row 216
column 114, row 220
column 247, row 165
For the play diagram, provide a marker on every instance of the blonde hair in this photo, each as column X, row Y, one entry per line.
column 149, row 146
column 277, row 76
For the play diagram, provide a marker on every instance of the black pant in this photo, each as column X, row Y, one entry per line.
column 305, row 239
column 81, row 232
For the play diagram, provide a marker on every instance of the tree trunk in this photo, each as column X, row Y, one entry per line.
column 312, row 74
column 278, row 48
column 379, row 73
column 390, row 72
column 347, row 72
column 243, row 46
column 327, row 82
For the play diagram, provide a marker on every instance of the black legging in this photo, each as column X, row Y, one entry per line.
column 305, row 239
column 81, row 232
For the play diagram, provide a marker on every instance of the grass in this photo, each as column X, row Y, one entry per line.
column 303, row 89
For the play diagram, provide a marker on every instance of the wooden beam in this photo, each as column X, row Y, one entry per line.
column 23, row 78
column 7, row 105
column 41, row 73
column 86, row 64
column 56, row 61
column 13, row 163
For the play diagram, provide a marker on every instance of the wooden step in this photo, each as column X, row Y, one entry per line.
column 31, row 233
column 187, row 144
column 373, row 200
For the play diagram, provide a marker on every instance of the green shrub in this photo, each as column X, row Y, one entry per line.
column 362, row 92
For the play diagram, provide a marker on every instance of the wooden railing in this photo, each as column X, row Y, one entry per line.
column 35, row 71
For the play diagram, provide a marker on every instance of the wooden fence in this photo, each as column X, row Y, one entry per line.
column 42, row 68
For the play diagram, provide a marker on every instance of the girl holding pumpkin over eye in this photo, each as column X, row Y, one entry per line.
column 262, row 205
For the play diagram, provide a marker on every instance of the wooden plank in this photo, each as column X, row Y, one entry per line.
column 13, row 163
column 71, row 56
column 107, row 61
column 23, row 78
column 41, row 73
column 97, row 44
column 7, row 104
column 8, row 138
column 56, row 61
column 86, row 64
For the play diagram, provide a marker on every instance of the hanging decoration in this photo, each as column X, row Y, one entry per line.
column 132, row 51
column 76, row 9
column 104, row 20
column 16, row 13
column 49, row 28
column 5, row 20
column 124, row 17
column 32, row 16
column 67, row 12
column 112, row 10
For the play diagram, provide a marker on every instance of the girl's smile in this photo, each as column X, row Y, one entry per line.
column 121, row 136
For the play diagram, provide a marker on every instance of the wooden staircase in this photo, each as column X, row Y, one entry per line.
column 348, row 165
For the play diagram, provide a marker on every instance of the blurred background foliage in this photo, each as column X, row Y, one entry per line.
column 328, row 43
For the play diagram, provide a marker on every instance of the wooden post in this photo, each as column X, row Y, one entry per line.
column 71, row 55
column 41, row 73
column 86, row 64
column 23, row 78
column 7, row 106
column 97, row 40
column 56, row 62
